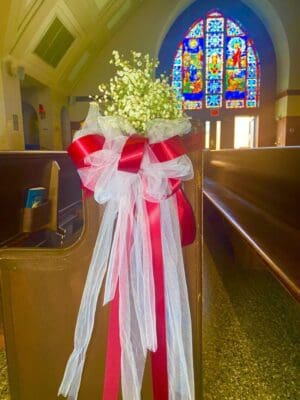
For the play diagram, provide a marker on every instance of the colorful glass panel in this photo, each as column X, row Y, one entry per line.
column 214, row 40
column 235, row 104
column 216, row 64
column 236, row 68
column 215, row 25
column 176, row 74
column 192, row 105
column 213, row 101
column 192, row 69
column 196, row 31
column 253, row 81
column 214, row 61
column 233, row 29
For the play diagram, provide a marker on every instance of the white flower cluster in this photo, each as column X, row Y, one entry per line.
column 134, row 94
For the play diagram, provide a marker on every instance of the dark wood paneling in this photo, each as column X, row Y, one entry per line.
column 259, row 193
column 21, row 170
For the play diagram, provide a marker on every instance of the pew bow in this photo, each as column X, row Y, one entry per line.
column 146, row 219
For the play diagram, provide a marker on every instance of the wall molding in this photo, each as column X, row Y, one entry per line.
column 288, row 92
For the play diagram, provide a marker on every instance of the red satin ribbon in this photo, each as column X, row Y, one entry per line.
column 132, row 154
column 113, row 353
column 159, row 359
column 165, row 151
column 169, row 149
column 84, row 146
column 81, row 148
column 130, row 161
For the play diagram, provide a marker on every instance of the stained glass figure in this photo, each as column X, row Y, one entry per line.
column 216, row 65
column 192, row 69
column 236, row 64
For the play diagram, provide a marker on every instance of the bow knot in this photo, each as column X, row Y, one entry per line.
column 133, row 167
column 132, row 154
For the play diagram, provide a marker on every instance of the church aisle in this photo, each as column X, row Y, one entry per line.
column 4, row 389
column 251, row 326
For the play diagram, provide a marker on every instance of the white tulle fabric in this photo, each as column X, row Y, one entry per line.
column 123, row 252
column 115, row 126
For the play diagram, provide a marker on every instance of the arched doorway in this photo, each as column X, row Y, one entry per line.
column 225, row 56
column 31, row 127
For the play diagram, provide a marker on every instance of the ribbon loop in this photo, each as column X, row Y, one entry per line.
column 84, row 146
column 169, row 149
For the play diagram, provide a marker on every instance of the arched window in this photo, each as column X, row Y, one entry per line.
column 216, row 65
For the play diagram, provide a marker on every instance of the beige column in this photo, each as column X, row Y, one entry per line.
column 58, row 102
column 288, row 118
column 11, row 121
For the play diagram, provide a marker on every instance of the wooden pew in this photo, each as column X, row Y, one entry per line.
column 258, row 192
column 41, row 290
column 32, row 227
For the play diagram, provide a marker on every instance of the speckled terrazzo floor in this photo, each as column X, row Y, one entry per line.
column 4, row 391
column 251, row 332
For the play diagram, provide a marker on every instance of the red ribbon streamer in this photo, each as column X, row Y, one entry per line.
column 168, row 150
column 159, row 359
column 130, row 161
column 113, row 354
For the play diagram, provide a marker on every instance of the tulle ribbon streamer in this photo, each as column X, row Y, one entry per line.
column 146, row 219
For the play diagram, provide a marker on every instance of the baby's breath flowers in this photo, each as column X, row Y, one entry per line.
column 135, row 94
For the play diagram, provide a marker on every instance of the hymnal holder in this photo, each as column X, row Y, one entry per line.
column 44, row 216
column 36, row 218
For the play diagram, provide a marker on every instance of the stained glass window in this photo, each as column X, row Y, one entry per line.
column 216, row 65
